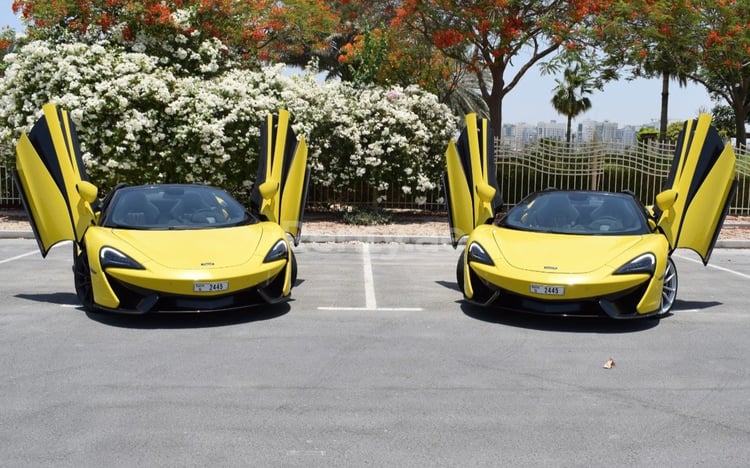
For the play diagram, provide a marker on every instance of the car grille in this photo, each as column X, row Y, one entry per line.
column 622, row 305
column 134, row 298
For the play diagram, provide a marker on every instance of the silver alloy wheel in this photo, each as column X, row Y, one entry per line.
column 669, row 290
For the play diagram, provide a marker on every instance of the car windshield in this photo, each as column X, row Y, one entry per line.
column 174, row 207
column 578, row 212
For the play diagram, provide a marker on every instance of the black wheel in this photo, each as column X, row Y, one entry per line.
column 669, row 290
column 293, row 260
column 460, row 272
column 82, row 281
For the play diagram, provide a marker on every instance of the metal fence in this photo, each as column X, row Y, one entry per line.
column 641, row 169
column 9, row 197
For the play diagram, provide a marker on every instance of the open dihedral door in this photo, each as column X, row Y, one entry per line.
column 52, row 180
column 470, row 183
column 280, row 190
column 699, row 189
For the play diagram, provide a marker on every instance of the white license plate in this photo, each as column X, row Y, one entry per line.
column 211, row 287
column 548, row 290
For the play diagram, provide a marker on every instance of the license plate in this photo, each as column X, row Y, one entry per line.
column 548, row 290
column 211, row 287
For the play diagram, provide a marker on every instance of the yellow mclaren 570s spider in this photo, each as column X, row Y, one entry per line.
column 166, row 247
column 584, row 252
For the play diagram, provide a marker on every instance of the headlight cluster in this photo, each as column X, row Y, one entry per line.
column 113, row 258
column 477, row 254
column 645, row 263
column 279, row 251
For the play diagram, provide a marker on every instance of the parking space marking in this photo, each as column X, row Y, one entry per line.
column 379, row 309
column 369, row 284
column 370, row 301
column 6, row 260
column 743, row 275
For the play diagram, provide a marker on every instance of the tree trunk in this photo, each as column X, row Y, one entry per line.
column 664, row 107
column 495, row 105
column 740, row 115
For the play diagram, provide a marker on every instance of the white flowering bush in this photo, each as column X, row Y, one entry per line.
column 139, row 121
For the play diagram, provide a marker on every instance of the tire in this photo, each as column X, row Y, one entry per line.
column 482, row 293
column 293, row 261
column 669, row 290
column 460, row 272
column 82, row 281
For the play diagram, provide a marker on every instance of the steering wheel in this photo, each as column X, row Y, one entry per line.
column 606, row 223
column 204, row 216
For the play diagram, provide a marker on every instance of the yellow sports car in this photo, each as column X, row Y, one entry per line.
column 584, row 253
column 166, row 247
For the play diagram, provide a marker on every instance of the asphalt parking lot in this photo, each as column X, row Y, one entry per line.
column 375, row 362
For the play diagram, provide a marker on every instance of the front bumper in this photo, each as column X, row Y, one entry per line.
column 137, row 300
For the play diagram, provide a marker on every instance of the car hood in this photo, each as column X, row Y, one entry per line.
column 195, row 248
column 562, row 253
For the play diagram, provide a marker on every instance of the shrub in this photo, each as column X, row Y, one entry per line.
column 141, row 121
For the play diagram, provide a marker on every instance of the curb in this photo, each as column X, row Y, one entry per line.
column 374, row 239
column 382, row 239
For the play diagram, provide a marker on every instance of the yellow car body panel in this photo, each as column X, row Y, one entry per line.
column 236, row 262
column 49, row 171
column 563, row 251
column 470, row 184
column 280, row 190
column 462, row 219
column 703, row 177
column 585, row 267
column 193, row 256
column 585, row 282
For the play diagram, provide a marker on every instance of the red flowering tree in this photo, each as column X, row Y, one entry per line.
column 7, row 41
column 489, row 35
column 724, row 54
column 252, row 31
column 655, row 38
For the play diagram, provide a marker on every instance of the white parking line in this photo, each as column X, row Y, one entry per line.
column 379, row 309
column 18, row 257
column 370, row 302
column 369, row 284
column 743, row 275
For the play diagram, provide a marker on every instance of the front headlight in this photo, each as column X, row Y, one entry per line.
column 645, row 263
column 477, row 254
column 113, row 258
column 279, row 251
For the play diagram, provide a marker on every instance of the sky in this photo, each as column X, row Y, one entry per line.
column 635, row 102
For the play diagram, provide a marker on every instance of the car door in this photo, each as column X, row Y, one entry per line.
column 471, row 191
column 280, row 189
column 52, row 180
column 699, row 188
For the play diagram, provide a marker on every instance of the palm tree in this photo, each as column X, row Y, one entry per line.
column 461, row 92
column 570, row 96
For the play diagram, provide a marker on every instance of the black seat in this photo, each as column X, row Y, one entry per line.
column 556, row 211
column 135, row 210
column 189, row 204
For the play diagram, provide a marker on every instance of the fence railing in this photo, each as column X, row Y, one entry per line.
column 641, row 169
column 9, row 196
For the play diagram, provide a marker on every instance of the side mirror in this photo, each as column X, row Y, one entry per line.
column 666, row 199
column 268, row 189
column 87, row 191
column 486, row 192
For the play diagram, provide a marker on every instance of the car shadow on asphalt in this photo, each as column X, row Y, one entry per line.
column 693, row 306
column 59, row 298
column 556, row 323
column 184, row 320
column 165, row 320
